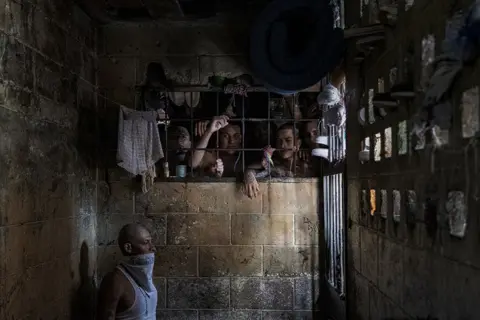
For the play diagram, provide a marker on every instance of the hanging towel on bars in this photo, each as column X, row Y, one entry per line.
column 139, row 145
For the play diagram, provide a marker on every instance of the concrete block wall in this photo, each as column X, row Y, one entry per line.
column 190, row 52
column 404, row 269
column 221, row 255
column 48, row 182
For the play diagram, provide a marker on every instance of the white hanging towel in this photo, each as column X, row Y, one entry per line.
column 139, row 145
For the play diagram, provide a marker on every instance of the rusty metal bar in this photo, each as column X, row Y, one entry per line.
column 246, row 119
column 238, row 149
column 207, row 88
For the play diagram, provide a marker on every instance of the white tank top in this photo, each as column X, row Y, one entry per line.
column 145, row 305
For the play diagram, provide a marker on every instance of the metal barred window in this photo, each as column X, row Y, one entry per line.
column 334, row 209
column 245, row 118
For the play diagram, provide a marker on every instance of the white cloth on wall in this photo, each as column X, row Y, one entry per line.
column 139, row 144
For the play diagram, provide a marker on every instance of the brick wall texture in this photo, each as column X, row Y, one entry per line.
column 47, row 174
column 398, row 269
column 221, row 255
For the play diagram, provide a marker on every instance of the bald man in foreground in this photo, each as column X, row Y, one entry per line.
column 128, row 292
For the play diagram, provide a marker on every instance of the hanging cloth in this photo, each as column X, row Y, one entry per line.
column 139, row 145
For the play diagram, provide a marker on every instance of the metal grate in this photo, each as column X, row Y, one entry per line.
column 334, row 208
column 241, row 119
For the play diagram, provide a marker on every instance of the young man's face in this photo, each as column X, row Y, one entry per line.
column 311, row 133
column 180, row 139
column 230, row 138
column 286, row 140
column 142, row 243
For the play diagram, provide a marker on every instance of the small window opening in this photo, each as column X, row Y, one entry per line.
column 457, row 213
column 470, row 120
column 402, row 138
column 378, row 148
column 388, row 142
column 371, row 113
column 373, row 202
column 384, row 204
column 396, row 205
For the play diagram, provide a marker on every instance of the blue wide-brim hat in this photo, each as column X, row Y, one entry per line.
column 294, row 44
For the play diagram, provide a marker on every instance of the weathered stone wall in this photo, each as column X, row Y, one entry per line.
column 221, row 255
column 412, row 267
column 190, row 52
column 47, row 169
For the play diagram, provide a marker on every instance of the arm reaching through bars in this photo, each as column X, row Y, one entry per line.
column 200, row 158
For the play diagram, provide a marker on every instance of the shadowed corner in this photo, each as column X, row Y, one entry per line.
column 83, row 299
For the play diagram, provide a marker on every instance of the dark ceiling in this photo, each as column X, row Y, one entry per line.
column 144, row 10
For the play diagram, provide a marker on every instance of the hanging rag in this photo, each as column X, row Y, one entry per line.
column 139, row 145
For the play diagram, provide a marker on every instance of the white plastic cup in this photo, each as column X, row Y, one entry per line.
column 181, row 171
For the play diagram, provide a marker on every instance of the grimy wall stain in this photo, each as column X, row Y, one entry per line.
column 220, row 255
column 48, row 178
column 402, row 269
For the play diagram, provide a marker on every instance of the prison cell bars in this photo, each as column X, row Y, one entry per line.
column 192, row 120
column 333, row 189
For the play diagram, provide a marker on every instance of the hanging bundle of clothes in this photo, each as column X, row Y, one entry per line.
column 334, row 110
column 139, row 144
column 333, row 102
column 460, row 47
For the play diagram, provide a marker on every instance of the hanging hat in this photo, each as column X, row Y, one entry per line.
column 155, row 75
column 293, row 44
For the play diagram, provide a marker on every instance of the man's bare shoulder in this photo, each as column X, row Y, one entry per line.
column 114, row 279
